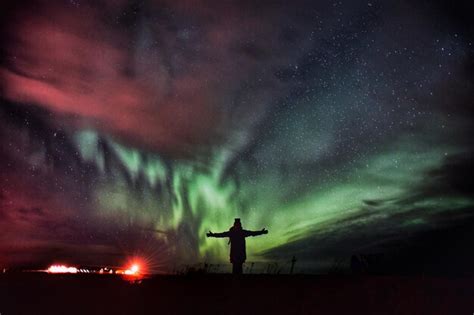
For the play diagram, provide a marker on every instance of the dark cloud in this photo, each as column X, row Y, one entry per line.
column 449, row 180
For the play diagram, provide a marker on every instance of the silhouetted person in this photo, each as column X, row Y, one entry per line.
column 237, row 237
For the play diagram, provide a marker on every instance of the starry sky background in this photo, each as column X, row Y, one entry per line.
column 133, row 128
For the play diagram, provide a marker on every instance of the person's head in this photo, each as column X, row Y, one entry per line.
column 237, row 224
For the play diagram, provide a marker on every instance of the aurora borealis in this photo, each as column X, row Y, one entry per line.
column 133, row 128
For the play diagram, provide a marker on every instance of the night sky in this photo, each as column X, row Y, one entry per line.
column 133, row 128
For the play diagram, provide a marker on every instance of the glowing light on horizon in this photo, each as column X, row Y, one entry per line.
column 133, row 270
column 61, row 269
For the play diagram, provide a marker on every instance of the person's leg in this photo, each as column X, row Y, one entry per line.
column 237, row 268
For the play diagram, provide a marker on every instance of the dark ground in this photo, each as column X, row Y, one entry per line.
column 34, row 293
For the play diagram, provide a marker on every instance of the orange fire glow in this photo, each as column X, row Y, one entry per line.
column 133, row 270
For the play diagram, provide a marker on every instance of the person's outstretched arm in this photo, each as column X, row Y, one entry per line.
column 255, row 233
column 223, row 234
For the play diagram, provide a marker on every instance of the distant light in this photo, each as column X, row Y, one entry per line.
column 61, row 269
